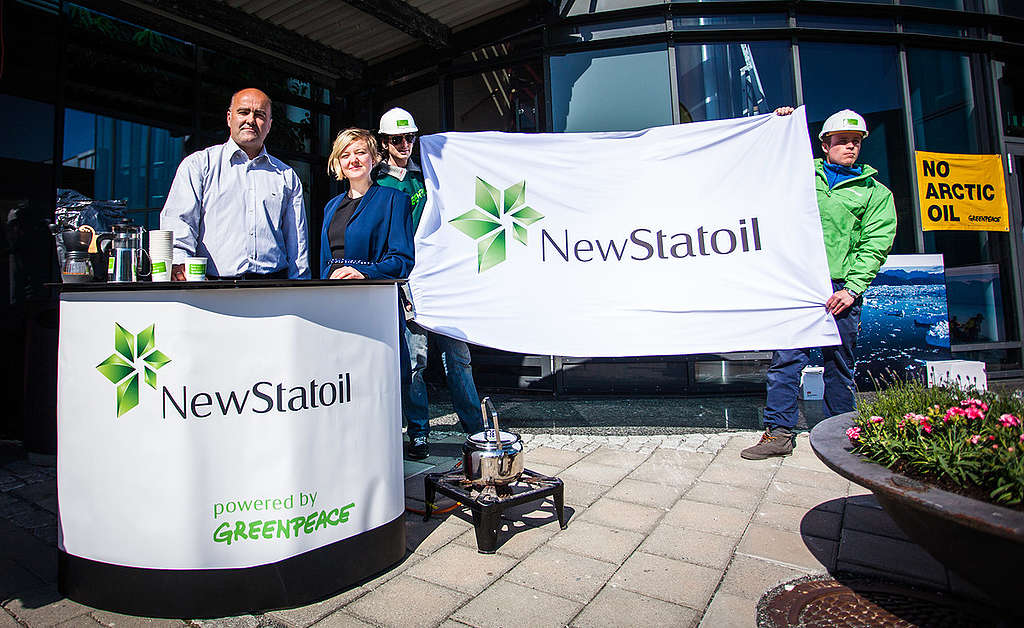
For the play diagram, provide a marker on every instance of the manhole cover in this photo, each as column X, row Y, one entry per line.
column 858, row 601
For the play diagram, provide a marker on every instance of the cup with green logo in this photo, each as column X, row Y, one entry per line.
column 195, row 268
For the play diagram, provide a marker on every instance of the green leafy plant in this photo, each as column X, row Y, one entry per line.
column 961, row 440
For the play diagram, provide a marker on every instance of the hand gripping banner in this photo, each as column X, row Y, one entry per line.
column 692, row 238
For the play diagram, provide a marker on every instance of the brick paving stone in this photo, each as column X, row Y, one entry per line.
column 712, row 518
column 509, row 605
column 730, row 610
column 545, row 469
column 461, row 568
column 553, row 457
column 33, row 517
column 516, row 539
column 724, row 495
column 585, row 471
column 872, row 520
column 750, row 577
column 82, row 621
column 623, row 515
column 814, row 522
column 9, row 481
column 44, row 607
column 239, row 621
column 37, row 490
column 664, row 473
column 406, row 601
column 645, row 493
column 752, row 476
column 692, row 546
column 614, row 607
column 423, row 537
column 805, row 496
column 583, row 494
column 14, row 579
column 7, row 621
column 117, row 620
column 892, row 555
column 616, row 458
column 303, row 616
column 562, row 573
column 394, row 571
column 341, row 619
column 684, row 459
column 597, row 541
column 807, row 477
column 782, row 546
column 670, row 580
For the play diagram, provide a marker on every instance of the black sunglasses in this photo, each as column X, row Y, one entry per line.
column 394, row 139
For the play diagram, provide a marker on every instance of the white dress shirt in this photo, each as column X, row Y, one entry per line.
column 244, row 215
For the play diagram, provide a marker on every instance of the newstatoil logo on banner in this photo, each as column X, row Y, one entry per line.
column 226, row 428
column 694, row 238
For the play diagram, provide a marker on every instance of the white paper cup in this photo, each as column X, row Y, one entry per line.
column 162, row 269
column 195, row 268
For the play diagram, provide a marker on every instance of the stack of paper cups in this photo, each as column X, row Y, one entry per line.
column 161, row 252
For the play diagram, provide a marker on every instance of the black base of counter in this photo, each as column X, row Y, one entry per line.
column 205, row 593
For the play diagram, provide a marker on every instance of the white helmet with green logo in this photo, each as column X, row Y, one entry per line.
column 845, row 120
column 396, row 122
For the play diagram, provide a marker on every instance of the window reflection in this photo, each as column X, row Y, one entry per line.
column 1009, row 79
column 978, row 263
column 624, row 89
column 105, row 158
column 503, row 99
column 719, row 81
column 865, row 79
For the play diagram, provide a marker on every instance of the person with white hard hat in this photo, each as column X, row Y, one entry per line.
column 400, row 171
column 858, row 221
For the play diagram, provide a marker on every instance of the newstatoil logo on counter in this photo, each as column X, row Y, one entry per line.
column 497, row 212
column 137, row 353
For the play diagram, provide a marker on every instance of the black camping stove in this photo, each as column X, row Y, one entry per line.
column 488, row 502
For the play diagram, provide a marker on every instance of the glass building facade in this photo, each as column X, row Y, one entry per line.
column 108, row 103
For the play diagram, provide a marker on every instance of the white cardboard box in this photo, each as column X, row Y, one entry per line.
column 959, row 373
column 812, row 382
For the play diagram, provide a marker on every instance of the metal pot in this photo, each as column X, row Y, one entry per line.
column 492, row 457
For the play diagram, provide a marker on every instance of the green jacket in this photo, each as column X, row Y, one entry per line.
column 858, row 220
column 408, row 180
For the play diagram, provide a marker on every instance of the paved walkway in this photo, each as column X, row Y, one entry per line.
column 663, row 530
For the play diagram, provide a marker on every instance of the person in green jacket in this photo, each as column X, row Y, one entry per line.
column 398, row 135
column 858, row 221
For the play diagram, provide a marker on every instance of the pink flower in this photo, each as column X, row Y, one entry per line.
column 1022, row 438
column 974, row 413
column 1008, row 420
column 975, row 403
column 995, row 446
column 991, row 437
column 926, row 426
column 953, row 413
column 974, row 439
column 853, row 433
column 876, row 419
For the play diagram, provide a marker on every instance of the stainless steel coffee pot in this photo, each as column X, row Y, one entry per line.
column 492, row 457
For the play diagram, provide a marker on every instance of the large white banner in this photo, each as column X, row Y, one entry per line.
column 216, row 428
column 693, row 238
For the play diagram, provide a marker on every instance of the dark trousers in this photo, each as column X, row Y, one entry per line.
column 277, row 274
column 784, row 373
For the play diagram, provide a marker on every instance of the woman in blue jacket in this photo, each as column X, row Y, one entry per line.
column 367, row 231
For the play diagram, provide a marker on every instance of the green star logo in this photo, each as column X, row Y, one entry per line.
column 484, row 223
column 120, row 368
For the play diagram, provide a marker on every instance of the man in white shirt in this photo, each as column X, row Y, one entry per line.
column 237, row 206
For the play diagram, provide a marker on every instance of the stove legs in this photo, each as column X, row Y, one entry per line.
column 429, row 490
column 486, row 521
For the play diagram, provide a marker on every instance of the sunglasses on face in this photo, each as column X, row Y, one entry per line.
column 408, row 138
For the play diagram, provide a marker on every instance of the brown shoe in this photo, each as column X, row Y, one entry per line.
column 774, row 442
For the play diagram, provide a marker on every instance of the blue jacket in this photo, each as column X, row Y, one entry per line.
column 378, row 238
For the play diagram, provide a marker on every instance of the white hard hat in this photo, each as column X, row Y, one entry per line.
column 845, row 120
column 397, row 121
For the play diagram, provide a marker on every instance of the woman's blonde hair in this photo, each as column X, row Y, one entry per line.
column 341, row 142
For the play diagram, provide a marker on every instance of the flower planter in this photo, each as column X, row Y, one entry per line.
column 983, row 543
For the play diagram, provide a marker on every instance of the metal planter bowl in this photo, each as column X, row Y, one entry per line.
column 981, row 542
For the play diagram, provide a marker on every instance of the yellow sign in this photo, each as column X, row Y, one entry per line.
column 961, row 192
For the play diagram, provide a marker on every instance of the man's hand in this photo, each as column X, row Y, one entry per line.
column 839, row 301
column 178, row 272
column 347, row 272
column 784, row 111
